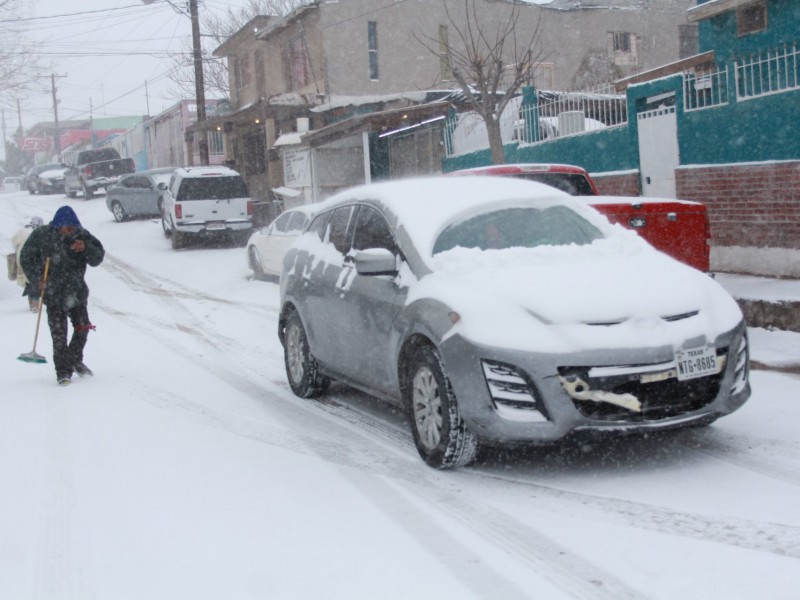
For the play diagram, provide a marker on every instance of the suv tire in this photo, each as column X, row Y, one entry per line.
column 301, row 367
column 440, row 434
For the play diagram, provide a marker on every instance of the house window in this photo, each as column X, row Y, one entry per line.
column 622, row 41
column 687, row 41
column 244, row 71
column 623, row 49
column 751, row 18
column 298, row 62
column 372, row 41
column 445, row 70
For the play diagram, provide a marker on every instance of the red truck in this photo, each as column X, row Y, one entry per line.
column 679, row 228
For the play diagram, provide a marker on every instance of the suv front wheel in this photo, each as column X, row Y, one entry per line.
column 440, row 434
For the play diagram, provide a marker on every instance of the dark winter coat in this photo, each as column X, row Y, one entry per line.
column 66, row 287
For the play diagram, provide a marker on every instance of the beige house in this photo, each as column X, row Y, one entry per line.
column 296, row 81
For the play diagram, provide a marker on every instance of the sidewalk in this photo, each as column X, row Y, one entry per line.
column 772, row 310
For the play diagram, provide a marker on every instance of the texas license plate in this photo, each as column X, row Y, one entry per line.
column 696, row 362
column 215, row 225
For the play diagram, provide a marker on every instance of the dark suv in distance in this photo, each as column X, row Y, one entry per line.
column 45, row 179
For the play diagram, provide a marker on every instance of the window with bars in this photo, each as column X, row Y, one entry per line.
column 622, row 41
column 372, row 44
column 623, row 48
column 215, row 144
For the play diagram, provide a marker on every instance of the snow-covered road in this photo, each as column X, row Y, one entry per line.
column 186, row 468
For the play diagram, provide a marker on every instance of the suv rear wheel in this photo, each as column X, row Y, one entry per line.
column 301, row 367
column 167, row 229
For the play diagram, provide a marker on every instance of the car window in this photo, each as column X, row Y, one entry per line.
column 319, row 226
column 126, row 182
column 212, row 188
column 372, row 231
column 298, row 222
column 519, row 228
column 281, row 223
column 338, row 228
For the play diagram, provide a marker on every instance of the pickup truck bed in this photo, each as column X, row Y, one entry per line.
column 679, row 228
column 89, row 170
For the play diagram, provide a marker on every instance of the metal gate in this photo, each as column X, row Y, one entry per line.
column 658, row 151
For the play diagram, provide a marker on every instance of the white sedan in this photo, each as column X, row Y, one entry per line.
column 268, row 245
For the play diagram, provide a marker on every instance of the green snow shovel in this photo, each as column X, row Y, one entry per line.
column 33, row 356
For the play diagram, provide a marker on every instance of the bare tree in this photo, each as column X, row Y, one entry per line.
column 215, row 29
column 19, row 66
column 490, row 62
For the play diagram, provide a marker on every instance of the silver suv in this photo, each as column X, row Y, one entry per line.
column 206, row 200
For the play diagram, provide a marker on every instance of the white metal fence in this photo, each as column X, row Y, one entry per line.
column 769, row 72
column 705, row 89
column 556, row 114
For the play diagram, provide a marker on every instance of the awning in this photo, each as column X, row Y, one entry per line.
column 376, row 122
column 288, row 139
column 287, row 192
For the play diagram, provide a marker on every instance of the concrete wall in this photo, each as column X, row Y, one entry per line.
column 572, row 40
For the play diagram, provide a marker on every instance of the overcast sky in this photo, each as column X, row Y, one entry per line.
column 103, row 51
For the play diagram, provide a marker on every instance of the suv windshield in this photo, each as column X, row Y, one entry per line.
column 519, row 228
column 212, row 188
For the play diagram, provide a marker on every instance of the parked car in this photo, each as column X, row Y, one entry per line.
column 206, row 200
column 139, row 194
column 678, row 227
column 500, row 311
column 10, row 184
column 268, row 245
column 45, row 179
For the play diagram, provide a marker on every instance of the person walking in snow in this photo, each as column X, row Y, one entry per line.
column 70, row 249
column 18, row 240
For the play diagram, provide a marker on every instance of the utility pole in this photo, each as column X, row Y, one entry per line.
column 57, row 136
column 199, row 85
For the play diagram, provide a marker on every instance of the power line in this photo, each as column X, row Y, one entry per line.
column 78, row 14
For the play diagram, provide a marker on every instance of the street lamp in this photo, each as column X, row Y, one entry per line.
column 199, row 86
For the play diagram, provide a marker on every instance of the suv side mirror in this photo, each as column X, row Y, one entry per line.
column 375, row 261
column 162, row 186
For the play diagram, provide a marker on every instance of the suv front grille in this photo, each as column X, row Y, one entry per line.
column 659, row 397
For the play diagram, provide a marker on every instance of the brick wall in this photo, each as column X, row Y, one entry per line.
column 755, row 205
column 618, row 184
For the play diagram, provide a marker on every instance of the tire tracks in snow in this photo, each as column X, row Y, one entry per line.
column 63, row 548
column 742, row 453
column 362, row 442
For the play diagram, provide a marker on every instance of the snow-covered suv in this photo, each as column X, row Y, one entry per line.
column 206, row 200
